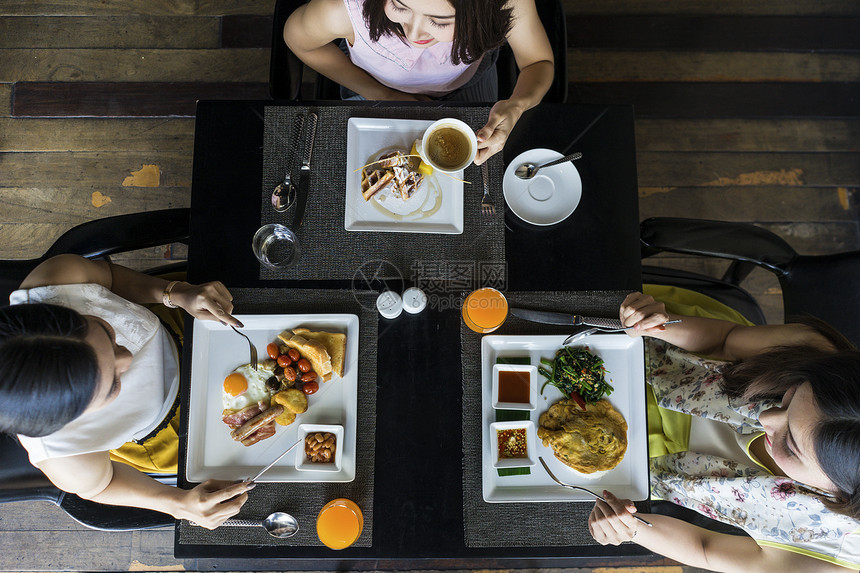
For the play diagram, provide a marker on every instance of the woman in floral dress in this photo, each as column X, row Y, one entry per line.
column 773, row 444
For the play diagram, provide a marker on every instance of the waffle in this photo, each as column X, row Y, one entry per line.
column 372, row 181
column 392, row 159
column 406, row 182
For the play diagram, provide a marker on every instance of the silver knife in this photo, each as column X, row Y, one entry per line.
column 547, row 317
column 305, row 173
column 277, row 459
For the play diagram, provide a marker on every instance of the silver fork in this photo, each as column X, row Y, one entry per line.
column 250, row 345
column 588, row 491
column 487, row 207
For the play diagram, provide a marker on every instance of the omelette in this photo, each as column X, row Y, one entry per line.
column 588, row 441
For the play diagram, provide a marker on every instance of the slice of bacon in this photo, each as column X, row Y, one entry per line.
column 239, row 417
column 257, row 422
column 266, row 431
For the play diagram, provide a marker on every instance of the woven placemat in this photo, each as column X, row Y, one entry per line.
column 331, row 252
column 520, row 524
column 304, row 500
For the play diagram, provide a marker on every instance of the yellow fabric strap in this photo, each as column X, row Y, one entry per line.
column 668, row 430
column 160, row 453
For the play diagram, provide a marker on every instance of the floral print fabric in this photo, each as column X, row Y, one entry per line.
column 773, row 510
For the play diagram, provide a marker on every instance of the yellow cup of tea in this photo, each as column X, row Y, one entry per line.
column 485, row 310
column 339, row 523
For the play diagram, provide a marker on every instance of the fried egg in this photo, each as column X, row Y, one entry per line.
column 245, row 386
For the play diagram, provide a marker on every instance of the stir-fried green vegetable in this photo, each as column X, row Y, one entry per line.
column 577, row 373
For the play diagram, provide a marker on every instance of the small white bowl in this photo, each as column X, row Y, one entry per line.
column 531, row 444
column 532, row 374
column 302, row 461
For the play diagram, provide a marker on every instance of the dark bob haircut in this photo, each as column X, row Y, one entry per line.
column 486, row 26
column 835, row 381
column 48, row 373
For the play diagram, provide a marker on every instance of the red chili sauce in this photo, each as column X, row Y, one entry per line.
column 513, row 386
column 512, row 443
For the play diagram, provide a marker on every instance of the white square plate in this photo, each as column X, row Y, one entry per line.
column 365, row 137
column 624, row 359
column 216, row 351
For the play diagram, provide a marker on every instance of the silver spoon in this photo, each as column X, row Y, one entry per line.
column 588, row 491
column 529, row 170
column 579, row 336
column 284, row 195
column 279, row 524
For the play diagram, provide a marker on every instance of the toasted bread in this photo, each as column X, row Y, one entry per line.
column 334, row 342
column 313, row 350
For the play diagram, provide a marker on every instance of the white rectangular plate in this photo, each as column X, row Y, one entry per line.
column 216, row 351
column 624, row 361
column 365, row 137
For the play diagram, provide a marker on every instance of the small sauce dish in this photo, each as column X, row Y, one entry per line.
column 514, row 387
column 313, row 431
column 513, row 444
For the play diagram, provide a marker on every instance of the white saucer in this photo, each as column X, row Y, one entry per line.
column 547, row 198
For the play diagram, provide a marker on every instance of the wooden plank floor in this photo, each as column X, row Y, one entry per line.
column 746, row 111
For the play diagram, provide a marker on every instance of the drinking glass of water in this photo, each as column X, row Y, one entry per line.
column 276, row 246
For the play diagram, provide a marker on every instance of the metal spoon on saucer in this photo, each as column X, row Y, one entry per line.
column 529, row 170
column 278, row 524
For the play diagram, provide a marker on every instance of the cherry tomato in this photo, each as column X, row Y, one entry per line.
column 290, row 373
column 310, row 387
column 294, row 354
column 284, row 361
column 308, row 376
column 273, row 351
column 304, row 365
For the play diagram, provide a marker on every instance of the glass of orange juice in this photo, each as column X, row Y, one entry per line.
column 485, row 309
column 339, row 523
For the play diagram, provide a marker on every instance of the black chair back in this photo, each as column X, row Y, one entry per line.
column 823, row 286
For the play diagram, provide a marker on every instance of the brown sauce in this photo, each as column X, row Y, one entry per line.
column 448, row 147
column 514, row 387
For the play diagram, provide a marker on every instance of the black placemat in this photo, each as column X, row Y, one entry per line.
column 520, row 524
column 304, row 500
column 331, row 252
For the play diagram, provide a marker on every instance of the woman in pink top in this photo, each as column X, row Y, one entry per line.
column 421, row 50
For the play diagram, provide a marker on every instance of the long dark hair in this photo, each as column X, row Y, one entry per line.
column 48, row 373
column 835, row 380
column 485, row 26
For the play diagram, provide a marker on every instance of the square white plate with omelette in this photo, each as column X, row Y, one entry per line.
column 215, row 352
column 365, row 138
column 624, row 359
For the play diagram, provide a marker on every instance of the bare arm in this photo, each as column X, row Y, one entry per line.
column 210, row 301
column 612, row 524
column 309, row 32
column 533, row 53
column 95, row 477
column 717, row 338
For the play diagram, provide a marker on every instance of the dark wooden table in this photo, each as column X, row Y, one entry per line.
column 226, row 212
